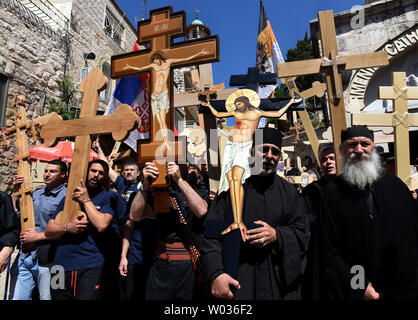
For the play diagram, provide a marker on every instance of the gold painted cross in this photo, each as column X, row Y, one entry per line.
column 119, row 124
column 332, row 65
column 400, row 119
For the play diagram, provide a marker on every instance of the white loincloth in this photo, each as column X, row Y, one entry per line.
column 235, row 154
column 160, row 102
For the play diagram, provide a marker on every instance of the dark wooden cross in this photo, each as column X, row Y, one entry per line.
column 158, row 34
column 332, row 65
column 118, row 124
column 253, row 79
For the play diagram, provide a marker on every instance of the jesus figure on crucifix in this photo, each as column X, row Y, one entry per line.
column 160, row 98
column 243, row 106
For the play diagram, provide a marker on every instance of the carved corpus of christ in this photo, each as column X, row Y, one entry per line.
column 243, row 105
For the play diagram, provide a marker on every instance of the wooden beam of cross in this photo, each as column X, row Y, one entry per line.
column 400, row 119
column 115, row 154
column 163, row 55
column 24, row 194
column 332, row 65
column 253, row 79
column 318, row 89
column 265, row 105
column 118, row 124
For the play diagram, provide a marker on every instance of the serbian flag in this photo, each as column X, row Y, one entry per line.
column 268, row 55
column 133, row 91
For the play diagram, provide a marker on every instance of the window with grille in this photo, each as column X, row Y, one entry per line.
column 113, row 28
column 4, row 88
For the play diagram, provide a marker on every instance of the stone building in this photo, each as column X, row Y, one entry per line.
column 190, row 79
column 390, row 25
column 41, row 41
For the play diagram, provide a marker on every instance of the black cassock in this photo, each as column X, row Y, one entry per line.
column 271, row 272
column 313, row 276
column 9, row 223
column 375, row 229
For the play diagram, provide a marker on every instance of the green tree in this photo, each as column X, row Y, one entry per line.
column 303, row 51
column 63, row 105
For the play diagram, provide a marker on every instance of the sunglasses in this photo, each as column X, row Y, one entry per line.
column 265, row 149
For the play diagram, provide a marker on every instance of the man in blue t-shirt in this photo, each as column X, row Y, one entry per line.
column 79, row 250
column 135, row 247
column 34, row 258
column 127, row 185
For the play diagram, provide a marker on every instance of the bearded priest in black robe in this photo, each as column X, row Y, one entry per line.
column 368, row 224
column 270, row 263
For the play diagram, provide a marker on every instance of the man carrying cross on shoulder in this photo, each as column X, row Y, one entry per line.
column 79, row 250
column 35, row 255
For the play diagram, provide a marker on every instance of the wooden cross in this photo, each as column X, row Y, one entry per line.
column 400, row 119
column 265, row 105
column 24, row 194
column 253, row 79
column 162, row 56
column 296, row 127
column 115, row 154
column 317, row 89
column 332, row 65
column 119, row 124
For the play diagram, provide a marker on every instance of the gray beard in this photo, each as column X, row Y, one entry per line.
column 361, row 173
column 267, row 171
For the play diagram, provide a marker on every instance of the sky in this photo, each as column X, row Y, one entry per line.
column 236, row 24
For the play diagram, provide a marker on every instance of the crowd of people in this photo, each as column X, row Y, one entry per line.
column 351, row 236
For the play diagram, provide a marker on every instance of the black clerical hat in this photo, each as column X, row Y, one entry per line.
column 356, row 131
column 269, row 135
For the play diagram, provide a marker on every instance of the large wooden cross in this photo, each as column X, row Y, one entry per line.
column 400, row 119
column 317, row 89
column 158, row 34
column 332, row 65
column 253, row 79
column 118, row 124
column 24, row 194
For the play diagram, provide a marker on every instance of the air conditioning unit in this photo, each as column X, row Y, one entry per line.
column 84, row 73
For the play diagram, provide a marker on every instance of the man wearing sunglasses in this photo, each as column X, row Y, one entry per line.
column 269, row 264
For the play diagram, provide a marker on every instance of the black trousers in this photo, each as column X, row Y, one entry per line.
column 80, row 285
column 170, row 280
column 135, row 281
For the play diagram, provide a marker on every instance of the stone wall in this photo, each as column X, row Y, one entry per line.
column 88, row 35
column 366, row 28
column 33, row 56
column 373, row 27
